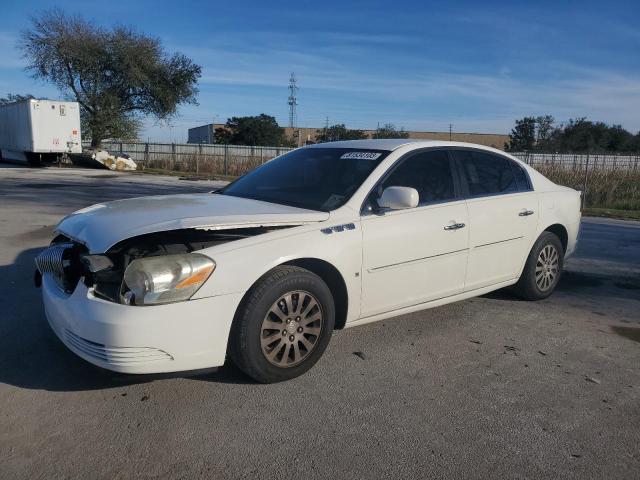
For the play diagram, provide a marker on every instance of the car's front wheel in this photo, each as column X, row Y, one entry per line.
column 283, row 325
column 543, row 268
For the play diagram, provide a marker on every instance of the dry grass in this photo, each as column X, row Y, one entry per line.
column 615, row 189
column 205, row 165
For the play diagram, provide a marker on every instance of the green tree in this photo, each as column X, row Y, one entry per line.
column 338, row 132
column 619, row 139
column 523, row 135
column 389, row 131
column 544, row 132
column 585, row 135
column 633, row 144
column 260, row 130
column 15, row 97
column 582, row 135
column 578, row 135
column 116, row 75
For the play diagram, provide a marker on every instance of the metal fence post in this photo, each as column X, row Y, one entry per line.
column 173, row 156
column 198, row 158
column 584, row 187
column 226, row 159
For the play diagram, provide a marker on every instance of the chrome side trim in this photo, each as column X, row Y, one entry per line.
column 377, row 269
column 499, row 241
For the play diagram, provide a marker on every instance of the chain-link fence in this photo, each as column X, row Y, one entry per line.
column 606, row 180
column 582, row 161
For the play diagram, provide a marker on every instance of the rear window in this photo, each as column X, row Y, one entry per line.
column 485, row 173
column 522, row 179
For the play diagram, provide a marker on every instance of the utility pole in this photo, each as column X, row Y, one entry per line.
column 293, row 101
column 450, row 130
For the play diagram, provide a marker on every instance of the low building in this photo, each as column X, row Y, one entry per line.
column 202, row 134
column 303, row 136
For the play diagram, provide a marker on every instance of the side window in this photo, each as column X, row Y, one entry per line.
column 429, row 173
column 522, row 179
column 485, row 173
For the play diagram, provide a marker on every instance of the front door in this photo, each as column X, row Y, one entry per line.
column 420, row 254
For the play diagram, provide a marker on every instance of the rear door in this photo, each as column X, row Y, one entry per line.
column 503, row 216
column 419, row 254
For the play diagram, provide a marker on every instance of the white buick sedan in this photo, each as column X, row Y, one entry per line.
column 325, row 237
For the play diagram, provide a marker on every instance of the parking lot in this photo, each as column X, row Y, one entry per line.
column 485, row 388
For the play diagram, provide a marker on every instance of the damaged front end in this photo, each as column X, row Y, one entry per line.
column 110, row 278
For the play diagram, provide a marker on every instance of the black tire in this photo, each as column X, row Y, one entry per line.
column 248, row 330
column 528, row 286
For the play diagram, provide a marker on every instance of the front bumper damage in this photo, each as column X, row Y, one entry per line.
column 173, row 337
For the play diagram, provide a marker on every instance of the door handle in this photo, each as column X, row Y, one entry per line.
column 526, row 213
column 454, row 226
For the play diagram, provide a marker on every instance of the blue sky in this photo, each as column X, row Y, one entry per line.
column 420, row 65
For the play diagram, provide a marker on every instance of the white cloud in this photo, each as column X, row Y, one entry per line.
column 494, row 100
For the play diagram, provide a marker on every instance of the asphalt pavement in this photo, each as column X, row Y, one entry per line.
column 485, row 388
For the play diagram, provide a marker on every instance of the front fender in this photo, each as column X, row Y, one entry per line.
column 238, row 269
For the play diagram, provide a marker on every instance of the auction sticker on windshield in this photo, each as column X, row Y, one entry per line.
column 361, row 155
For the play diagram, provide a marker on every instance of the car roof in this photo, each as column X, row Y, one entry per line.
column 374, row 143
column 391, row 144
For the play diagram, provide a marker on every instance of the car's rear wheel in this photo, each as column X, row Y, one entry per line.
column 283, row 325
column 543, row 268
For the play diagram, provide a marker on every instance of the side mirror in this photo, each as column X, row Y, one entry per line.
column 399, row 198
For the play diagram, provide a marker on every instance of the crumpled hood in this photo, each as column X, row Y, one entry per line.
column 103, row 225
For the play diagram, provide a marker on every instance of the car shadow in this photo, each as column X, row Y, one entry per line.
column 582, row 284
column 32, row 357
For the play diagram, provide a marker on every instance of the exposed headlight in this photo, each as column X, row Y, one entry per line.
column 166, row 279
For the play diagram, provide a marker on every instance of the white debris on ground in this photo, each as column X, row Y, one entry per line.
column 102, row 158
column 113, row 162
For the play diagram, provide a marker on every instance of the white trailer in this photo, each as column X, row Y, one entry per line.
column 38, row 130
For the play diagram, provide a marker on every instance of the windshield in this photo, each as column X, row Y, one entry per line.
column 313, row 178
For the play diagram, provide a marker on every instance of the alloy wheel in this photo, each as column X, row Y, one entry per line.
column 547, row 267
column 291, row 329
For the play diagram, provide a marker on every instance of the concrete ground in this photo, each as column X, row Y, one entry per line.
column 485, row 388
